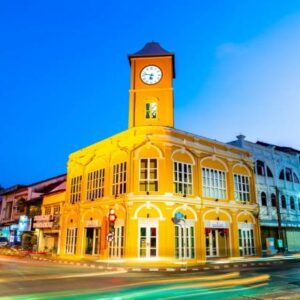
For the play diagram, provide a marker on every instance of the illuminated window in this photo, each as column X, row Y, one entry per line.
column 148, row 175
column 71, row 241
column 151, row 110
column 263, row 197
column 95, row 184
column 214, row 183
column 56, row 210
column 241, row 187
column 183, row 178
column 119, row 179
column 48, row 210
column 75, row 189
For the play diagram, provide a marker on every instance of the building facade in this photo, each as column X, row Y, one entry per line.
column 278, row 193
column 177, row 197
column 47, row 225
column 20, row 205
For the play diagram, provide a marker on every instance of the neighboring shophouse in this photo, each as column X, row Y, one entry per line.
column 153, row 175
column 13, row 206
column 20, row 204
column 47, row 225
column 278, row 191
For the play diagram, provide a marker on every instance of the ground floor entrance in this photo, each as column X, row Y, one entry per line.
column 216, row 242
column 148, row 229
column 116, row 246
column 246, row 240
column 92, row 241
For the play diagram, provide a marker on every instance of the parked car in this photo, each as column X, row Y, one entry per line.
column 3, row 242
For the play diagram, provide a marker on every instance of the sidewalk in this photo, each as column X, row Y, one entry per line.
column 220, row 264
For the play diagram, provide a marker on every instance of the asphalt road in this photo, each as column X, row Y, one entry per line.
column 27, row 279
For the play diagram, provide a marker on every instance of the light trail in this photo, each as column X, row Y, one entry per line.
column 208, row 285
column 47, row 277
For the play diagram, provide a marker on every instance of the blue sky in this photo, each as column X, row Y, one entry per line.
column 64, row 73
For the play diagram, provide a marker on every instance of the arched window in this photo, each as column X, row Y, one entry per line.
column 260, row 168
column 263, row 197
column 292, row 203
column 269, row 172
column 281, row 175
column 288, row 174
column 296, row 179
column 273, row 200
column 283, row 202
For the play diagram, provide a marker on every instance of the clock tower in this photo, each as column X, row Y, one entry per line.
column 151, row 100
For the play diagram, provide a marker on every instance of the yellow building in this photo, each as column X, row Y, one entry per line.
column 178, row 197
column 47, row 225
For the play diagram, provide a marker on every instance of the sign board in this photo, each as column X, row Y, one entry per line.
column 44, row 218
column 280, row 243
column 43, row 225
column 24, row 223
column 270, row 243
column 110, row 237
column 92, row 223
column 243, row 225
column 216, row 224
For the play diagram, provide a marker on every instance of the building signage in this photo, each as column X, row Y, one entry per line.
column 216, row 224
column 43, row 218
column 92, row 223
column 24, row 223
column 243, row 225
column 43, row 225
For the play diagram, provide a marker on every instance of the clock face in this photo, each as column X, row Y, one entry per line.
column 151, row 74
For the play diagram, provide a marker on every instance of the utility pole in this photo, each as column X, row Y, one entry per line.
column 280, row 231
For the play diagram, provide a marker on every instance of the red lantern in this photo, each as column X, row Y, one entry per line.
column 112, row 216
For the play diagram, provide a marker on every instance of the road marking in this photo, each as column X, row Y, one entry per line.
column 153, row 269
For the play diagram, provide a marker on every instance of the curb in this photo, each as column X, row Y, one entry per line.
column 201, row 268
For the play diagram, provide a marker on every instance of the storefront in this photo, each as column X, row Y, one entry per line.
column 47, row 229
column 217, row 238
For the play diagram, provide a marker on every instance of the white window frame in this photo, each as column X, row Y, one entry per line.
column 185, row 184
column 208, row 186
column 75, row 189
column 119, row 180
column 151, row 110
column 186, row 241
column 241, row 194
column 148, row 223
column 95, row 184
column 96, row 238
column 246, row 237
column 148, row 180
column 71, row 240
column 116, row 246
